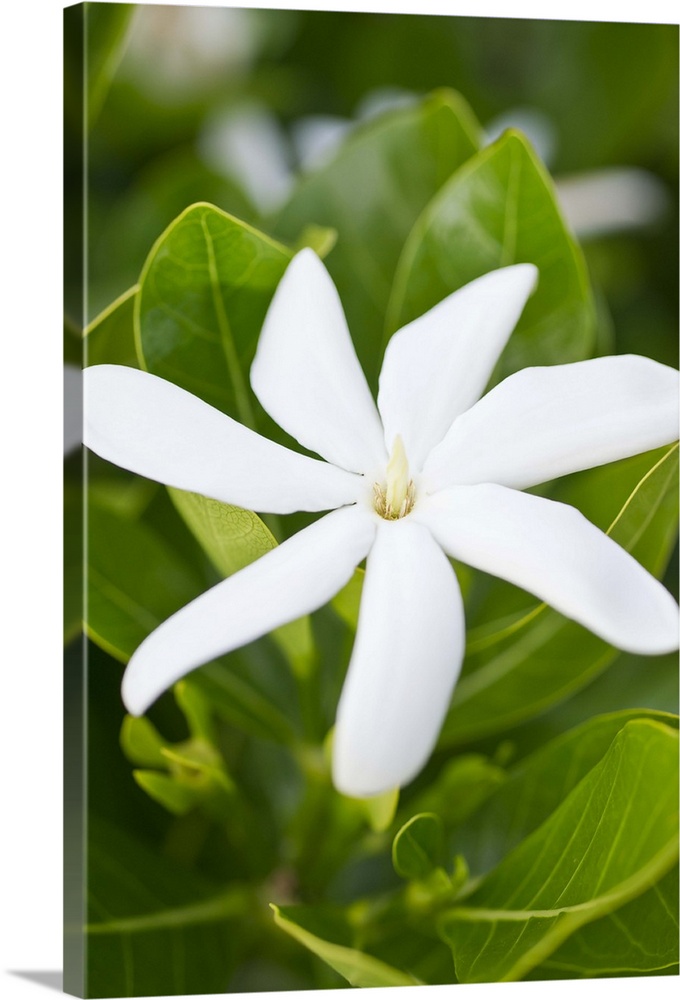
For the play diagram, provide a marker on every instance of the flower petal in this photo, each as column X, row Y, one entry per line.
column 154, row 428
column 545, row 422
column 551, row 550
column 406, row 660
column 307, row 375
column 437, row 366
column 293, row 579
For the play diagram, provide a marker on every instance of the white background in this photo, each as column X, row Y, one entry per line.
column 30, row 488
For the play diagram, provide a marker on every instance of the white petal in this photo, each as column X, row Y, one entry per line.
column 154, row 428
column 545, row 422
column 292, row 580
column 437, row 366
column 406, row 660
column 307, row 375
column 551, row 550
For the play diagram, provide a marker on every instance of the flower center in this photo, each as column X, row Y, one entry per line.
column 396, row 498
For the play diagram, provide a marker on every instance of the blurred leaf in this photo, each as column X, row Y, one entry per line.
column 153, row 925
column 196, row 709
column 347, row 601
column 134, row 582
column 235, row 698
column 542, row 657
column 461, row 787
column 416, row 849
column 94, row 34
column 536, row 786
column 232, row 538
column 500, row 209
column 357, row 968
column 141, row 742
column 158, row 192
column 204, row 292
column 110, row 337
column 73, row 561
column 321, row 239
column 380, row 809
column 371, row 193
column 106, row 26
column 176, row 798
column 611, row 839
column 639, row 938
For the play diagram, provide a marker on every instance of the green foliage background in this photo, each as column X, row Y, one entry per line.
column 541, row 840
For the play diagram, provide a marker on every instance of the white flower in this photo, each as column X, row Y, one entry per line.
column 431, row 472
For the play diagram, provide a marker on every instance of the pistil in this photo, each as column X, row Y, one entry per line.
column 397, row 497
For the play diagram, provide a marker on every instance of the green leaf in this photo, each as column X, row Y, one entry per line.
column 355, row 966
column 106, row 26
column 73, row 561
column 499, row 208
column 135, row 581
column 94, row 34
column 461, row 787
column 380, row 809
column 613, row 837
column 372, row 193
column 110, row 337
column 203, row 295
column 542, row 657
column 639, row 938
column 237, row 699
column 145, row 910
column 196, row 710
column 141, row 742
column 536, row 786
column 347, row 601
column 176, row 798
column 232, row 538
column 417, row 847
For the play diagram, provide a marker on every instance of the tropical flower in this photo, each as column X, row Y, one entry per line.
column 432, row 472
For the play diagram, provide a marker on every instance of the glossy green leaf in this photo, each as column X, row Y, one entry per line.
column 499, row 208
column 372, row 193
column 416, row 850
column 639, row 938
column 152, row 924
column 537, row 784
column 135, row 581
column 358, row 968
column 613, row 837
column 203, row 295
column 232, row 538
column 541, row 657
column 110, row 337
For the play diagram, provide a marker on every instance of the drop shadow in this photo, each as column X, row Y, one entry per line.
column 50, row 980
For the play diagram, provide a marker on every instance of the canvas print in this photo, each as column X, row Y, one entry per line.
column 371, row 503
